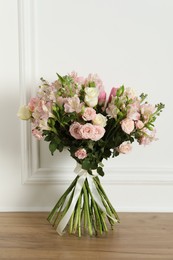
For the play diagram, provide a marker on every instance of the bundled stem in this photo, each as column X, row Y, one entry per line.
column 86, row 216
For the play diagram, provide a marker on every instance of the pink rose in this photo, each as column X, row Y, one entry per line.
column 102, row 97
column 75, row 130
column 81, row 153
column 127, row 125
column 139, row 124
column 98, row 133
column 87, row 131
column 89, row 114
column 124, row 148
column 112, row 94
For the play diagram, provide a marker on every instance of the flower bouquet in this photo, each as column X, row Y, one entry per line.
column 74, row 113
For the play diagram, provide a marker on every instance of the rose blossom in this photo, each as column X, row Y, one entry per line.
column 99, row 132
column 127, row 125
column 100, row 120
column 81, row 153
column 91, row 97
column 89, row 114
column 139, row 124
column 87, row 131
column 124, row 148
column 24, row 113
column 75, row 130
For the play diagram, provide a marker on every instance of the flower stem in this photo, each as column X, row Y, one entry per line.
column 87, row 209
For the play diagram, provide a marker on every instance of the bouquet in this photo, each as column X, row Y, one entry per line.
column 74, row 113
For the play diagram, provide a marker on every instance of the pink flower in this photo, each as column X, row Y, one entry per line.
column 134, row 115
column 127, row 125
column 112, row 111
column 112, row 94
column 139, row 124
column 87, row 131
column 133, row 111
column 147, row 137
column 102, row 97
column 73, row 105
column 124, row 148
column 95, row 78
column 75, row 130
column 76, row 78
column 33, row 103
column 89, row 114
column 99, row 132
column 37, row 133
column 81, row 153
column 147, row 110
column 60, row 100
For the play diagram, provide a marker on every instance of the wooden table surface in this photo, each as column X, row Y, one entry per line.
column 138, row 236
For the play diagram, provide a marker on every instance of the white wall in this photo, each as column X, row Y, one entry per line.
column 125, row 42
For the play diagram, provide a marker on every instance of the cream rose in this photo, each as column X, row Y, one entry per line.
column 100, row 120
column 24, row 113
column 91, row 97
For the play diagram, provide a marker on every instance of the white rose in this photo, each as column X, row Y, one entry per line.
column 91, row 97
column 24, row 113
column 100, row 120
column 91, row 102
column 91, row 92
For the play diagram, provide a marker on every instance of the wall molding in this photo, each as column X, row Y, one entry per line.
column 32, row 173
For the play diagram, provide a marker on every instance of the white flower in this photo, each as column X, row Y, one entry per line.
column 24, row 113
column 100, row 120
column 91, row 97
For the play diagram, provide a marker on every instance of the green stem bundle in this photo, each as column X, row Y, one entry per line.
column 87, row 216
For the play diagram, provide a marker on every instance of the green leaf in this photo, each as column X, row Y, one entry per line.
column 60, row 78
column 60, row 147
column 120, row 91
column 100, row 171
column 92, row 84
column 86, row 164
column 52, row 147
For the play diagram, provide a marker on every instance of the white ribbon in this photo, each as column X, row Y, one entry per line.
column 83, row 175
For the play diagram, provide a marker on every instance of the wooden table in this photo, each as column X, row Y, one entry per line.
column 138, row 236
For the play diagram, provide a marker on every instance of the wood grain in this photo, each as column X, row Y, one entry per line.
column 138, row 236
